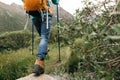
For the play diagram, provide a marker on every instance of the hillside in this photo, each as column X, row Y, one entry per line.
column 12, row 17
column 63, row 13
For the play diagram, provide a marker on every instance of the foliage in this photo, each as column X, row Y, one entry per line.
column 95, row 43
column 15, row 40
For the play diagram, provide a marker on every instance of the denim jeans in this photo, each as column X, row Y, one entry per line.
column 44, row 34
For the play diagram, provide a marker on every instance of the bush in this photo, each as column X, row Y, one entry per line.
column 95, row 47
column 15, row 40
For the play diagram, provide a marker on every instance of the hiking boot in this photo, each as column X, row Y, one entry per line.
column 38, row 67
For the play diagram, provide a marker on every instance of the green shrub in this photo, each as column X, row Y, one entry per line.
column 15, row 40
column 95, row 45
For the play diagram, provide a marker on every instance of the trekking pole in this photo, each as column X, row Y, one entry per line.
column 58, row 35
column 26, row 24
column 32, row 38
column 47, row 18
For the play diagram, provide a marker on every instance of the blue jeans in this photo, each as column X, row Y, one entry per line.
column 44, row 35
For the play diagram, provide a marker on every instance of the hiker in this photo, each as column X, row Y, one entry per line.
column 38, row 18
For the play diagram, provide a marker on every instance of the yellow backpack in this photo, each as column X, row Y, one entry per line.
column 33, row 5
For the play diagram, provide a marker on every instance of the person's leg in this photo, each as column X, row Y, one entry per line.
column 42, row 49
column 45, row 33
column 37, row 22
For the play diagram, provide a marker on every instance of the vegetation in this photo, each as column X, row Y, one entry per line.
column 15, row 64
column 95, row 43
column 16, row 60
column 90, row 47
column 15, row 40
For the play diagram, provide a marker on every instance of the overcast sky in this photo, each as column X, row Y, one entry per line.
column 68, row 5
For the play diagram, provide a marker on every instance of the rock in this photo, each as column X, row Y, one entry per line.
column 41, row 77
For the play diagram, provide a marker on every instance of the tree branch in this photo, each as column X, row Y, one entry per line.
column 117, row 59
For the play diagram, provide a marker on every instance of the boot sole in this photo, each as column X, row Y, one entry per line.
column 38, row 70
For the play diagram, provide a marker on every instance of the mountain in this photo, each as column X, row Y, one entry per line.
column 63, row 14
column 12, row 17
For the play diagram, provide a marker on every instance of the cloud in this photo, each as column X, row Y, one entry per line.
column 11, row 1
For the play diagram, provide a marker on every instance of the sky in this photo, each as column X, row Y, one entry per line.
column 68, row 5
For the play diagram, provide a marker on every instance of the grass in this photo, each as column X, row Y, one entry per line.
column 15, row 64
column 6, row 58
column 52, row 58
